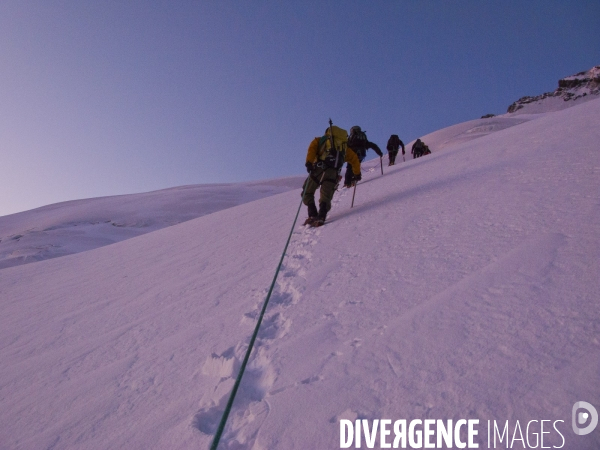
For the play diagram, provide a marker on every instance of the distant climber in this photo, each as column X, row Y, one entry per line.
column 393, row 146
column 324, row 161
column 419, row 149
column 358, row 142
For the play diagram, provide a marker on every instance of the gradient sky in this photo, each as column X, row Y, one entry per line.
column 115, row 97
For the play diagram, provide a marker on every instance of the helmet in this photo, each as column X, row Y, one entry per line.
column 355, row 129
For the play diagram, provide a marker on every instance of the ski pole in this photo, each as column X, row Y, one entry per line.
column 353, row 194
column 381, row 162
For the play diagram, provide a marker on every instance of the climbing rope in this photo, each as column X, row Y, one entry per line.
column 217, row 438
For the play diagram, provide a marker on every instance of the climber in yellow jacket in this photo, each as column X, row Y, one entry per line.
column 324, row 160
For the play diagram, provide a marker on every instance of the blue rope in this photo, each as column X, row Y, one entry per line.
column 217, row 438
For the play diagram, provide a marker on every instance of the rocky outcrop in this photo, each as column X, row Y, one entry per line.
column 570, row 88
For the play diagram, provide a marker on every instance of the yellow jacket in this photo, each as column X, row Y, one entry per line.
column 351, row 158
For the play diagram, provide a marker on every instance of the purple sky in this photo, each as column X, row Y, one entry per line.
column 114, row 97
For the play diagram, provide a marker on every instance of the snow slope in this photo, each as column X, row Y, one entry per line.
column 572, row 91
column 462, row 133
column 464, row 284
column 72, row 227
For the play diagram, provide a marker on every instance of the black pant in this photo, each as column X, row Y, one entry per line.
column 325, row 180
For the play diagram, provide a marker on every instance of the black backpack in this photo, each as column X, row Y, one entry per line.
column 357, row 140
column 394, row 143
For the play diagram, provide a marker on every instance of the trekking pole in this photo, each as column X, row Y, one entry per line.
column 353, row 194
column 381, row 162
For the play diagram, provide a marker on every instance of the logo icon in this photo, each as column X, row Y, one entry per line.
column 581, row 417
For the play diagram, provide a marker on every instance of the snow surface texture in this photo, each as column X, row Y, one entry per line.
column 463, row 284
column 76, row 226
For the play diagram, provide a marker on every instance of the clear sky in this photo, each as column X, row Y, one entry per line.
column 115, row 97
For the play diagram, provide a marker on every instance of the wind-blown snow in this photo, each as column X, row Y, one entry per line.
column 463, row 284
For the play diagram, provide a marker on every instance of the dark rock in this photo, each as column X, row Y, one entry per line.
column 569, row 88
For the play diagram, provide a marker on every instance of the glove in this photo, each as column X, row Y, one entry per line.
column 309, row 166
column 380, row 154
column 358, row 177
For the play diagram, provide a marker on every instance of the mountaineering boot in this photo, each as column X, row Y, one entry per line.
column 320, row 219
column 317, row 222
column 310, row 221
column 312, row 213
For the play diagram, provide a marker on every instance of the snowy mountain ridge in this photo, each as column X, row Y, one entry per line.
column 80, row 225
column 71, row 227
column 571, row 90
column 461, row 285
